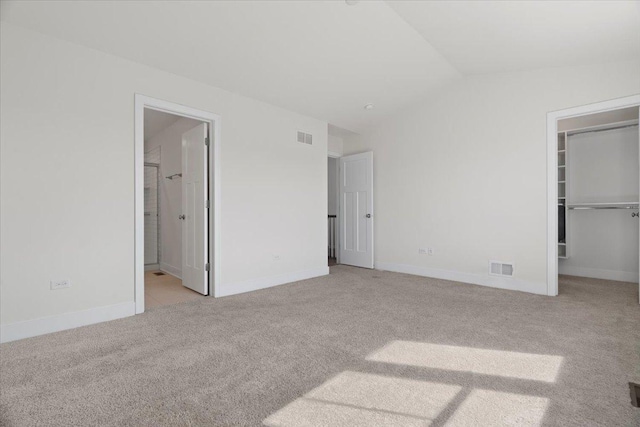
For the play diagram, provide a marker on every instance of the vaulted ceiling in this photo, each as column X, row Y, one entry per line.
column 328, row 59
column 499, row 36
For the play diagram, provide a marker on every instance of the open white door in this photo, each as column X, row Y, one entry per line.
column 356, row 210
column 195, row 190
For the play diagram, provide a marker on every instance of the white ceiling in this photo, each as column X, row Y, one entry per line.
column 497, row 36
column 157, row 121
column 327, row 59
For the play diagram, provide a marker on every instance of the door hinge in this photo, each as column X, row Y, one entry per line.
column 206, row 267
column 207, row 204
column 206, row 141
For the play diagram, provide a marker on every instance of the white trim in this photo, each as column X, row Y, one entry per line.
column 172, row 270
column 267, row 282
column 151, row 267
column 511, row 283
column 552, row 175
column 334, row 154
column 598, row 273
column 61, row 322
column 215, row 162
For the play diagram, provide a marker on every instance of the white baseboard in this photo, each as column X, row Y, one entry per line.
column 267, row 282
column 512, row 284
column 597, row 273
column 152, row 267
column 170, row 269
column 61, row 322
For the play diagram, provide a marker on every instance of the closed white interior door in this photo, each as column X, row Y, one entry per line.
column 195, row 244
column 356, row 210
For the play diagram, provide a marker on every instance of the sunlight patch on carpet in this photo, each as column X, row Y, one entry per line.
column 355, row 398
column 527, row 366
column 493, row 408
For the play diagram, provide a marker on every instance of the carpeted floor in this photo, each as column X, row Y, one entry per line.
column 358, row 347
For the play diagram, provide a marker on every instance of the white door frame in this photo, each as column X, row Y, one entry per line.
column 142, row 102
column 336, row 155
column 552, row 175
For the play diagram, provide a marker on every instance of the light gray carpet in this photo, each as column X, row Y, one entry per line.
column 358, row 347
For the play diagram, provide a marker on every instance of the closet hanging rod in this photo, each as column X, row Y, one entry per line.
column 602, row 207
column 174, row 176
column 576, row 132
column 588, row 204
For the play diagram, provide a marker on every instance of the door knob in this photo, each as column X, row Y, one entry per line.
column 368, row 215
column 181, row 217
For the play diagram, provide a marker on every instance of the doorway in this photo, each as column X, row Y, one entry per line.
column 593, row 194
column 177, row 203
column 175, row 157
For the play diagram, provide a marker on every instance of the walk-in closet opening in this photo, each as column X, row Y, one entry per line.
column 175, row 176
column 598, row 170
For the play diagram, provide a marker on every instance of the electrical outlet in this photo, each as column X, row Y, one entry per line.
column 60, row 284
column 276, row 257
column 422, row 251
column 430, row 251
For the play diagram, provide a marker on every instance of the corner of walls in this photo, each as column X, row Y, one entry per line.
column 171, row 269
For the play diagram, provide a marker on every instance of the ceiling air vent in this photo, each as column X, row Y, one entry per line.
column 305, row 138
column 500, row 269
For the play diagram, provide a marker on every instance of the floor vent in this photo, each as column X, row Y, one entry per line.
column 634, row 389
column 159, row 273
column 500, row 269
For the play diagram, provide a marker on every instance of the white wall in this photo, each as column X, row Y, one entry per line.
column 602, row 167
column 169, row 141
column 465, row 172
column 335, row 144
column 67, row 180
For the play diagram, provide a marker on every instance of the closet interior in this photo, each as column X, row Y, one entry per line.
column 598, row 195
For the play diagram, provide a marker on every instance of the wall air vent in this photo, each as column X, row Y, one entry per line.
column 500, row 269
column 305, row 138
